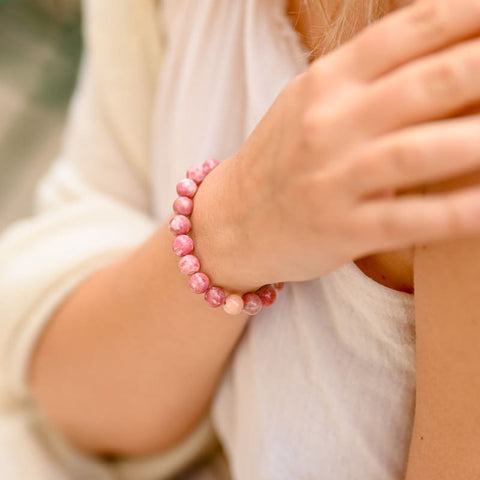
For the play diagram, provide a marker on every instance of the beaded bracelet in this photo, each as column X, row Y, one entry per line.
column 251, row 302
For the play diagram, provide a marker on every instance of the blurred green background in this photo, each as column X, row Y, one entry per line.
column 40, row 45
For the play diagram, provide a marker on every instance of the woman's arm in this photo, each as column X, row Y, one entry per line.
column 446, row 437
column 129, row 362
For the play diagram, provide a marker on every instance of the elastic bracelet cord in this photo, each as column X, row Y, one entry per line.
column 183, row 246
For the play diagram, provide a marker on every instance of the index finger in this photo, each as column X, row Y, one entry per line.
column 412, row 32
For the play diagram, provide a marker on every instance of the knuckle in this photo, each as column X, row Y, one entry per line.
column 315, row 124
column 442, row 80
column 453, row 217
column 403, row 158
column 314, row 79
column 388, row 226
column 363, row 166
column 429, row 18
column 395, row 161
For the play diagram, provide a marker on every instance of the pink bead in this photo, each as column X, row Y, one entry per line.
column 189, row 264
column 182, row 245
column 199, row 283
column 279, row 286
column 253, row 303
column 179, row 225
column 183, row 206
column 209, row 165
column 267, row 295
column 186, row 188
column 215, row 297
column 197, row 174
column 233, row 304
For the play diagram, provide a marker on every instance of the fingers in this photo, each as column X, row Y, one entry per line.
column 416, row 156
column 405, row 221
column 438, row 86
column 412, row 32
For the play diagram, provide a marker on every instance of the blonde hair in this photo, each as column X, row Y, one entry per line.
column 349, row 17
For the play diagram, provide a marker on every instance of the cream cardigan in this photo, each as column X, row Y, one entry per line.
column 102, row 216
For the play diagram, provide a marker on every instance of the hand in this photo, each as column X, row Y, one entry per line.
column 316, row 185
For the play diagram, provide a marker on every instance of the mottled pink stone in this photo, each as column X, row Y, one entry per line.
column 253, row 303
column 183, row 206
column 189, row 264
column 233, row 304
column 215, row 297
column 197, row 174
column 267, row 295
column 199, row 283
column 179, row 225
column 279, row 286
column 186, row 187
column 182, row 245
column 209, row 165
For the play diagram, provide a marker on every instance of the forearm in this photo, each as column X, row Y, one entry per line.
column 130, row 361
column 446, row 437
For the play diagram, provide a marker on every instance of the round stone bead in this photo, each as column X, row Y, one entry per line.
column 209, row 165
column 215, row 297
column 179, row 225
column 186, row 188
column 189, row 264
column 253, row 303
column 199, row 283
column 197, row 174
column 183, row 206
column 279, row 286
column 182, row 245
column 267, row 295
column 233, row 304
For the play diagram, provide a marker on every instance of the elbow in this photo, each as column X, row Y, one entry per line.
column 132, row 435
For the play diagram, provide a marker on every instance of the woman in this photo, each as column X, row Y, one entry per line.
column 322, row 384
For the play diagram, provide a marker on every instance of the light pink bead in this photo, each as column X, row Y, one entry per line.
column 183, row 206
column 186, row 188
column 267, row 295
column 182, row 245
column 179, row 225
column 209, row 165
column 199, row 283
column 189, row 264
column 233, row 304
column 215, row 297
column 197, row 174
column 253, row 303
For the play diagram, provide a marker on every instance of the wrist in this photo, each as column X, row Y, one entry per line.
column 223, row 241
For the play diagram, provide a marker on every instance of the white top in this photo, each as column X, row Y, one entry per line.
column 322, row 385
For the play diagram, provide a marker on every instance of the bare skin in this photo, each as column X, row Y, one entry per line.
column 163, row 351
column 446, row 437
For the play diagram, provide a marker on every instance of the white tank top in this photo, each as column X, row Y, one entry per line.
column 322, row 385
